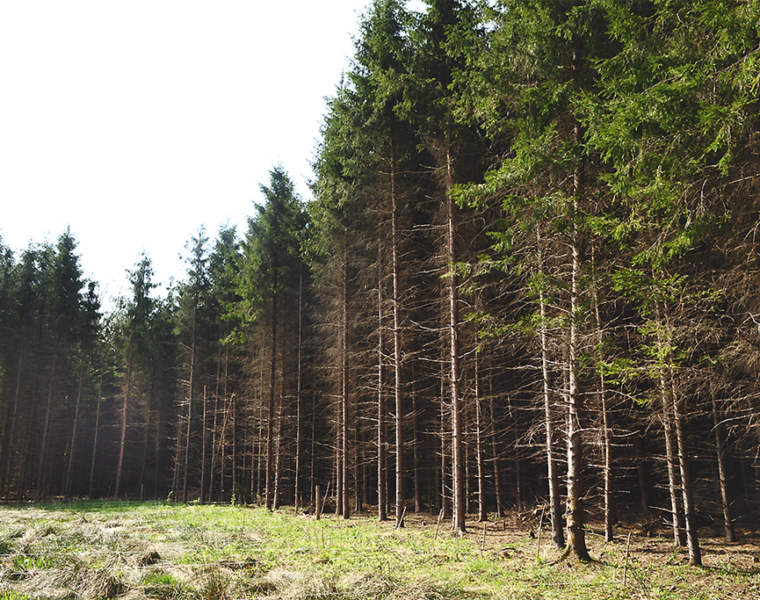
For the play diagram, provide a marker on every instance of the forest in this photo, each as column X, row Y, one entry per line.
column 525, row 279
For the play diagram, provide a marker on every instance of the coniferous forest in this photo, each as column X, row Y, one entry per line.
column 529, row 276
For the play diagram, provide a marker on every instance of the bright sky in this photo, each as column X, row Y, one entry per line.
column 134, row 122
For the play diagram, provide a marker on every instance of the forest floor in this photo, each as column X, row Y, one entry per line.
column 148, row 550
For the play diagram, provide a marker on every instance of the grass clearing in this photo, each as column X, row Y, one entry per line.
column 163, row 551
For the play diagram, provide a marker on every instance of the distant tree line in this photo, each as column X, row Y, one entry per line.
column 526, row 278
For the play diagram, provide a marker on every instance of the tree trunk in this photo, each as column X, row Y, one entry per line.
column 687, row 486
column 444, row 436
column 270, row 418
column 125, row 409
column 555, row 505
column 382, row 450
column 416, row 447
column 278, row 459
column 479, row 453
column 679, row 525
column 457, row 408
column 358, row 459
column 144, row 460
column 97, row 432
column 190, row 399
column 46, row 430
column 397, row 366
column 495, row 451
column 720, row 442
column 204, row 447
column 609, row 503
column 214, row 446
column 576, row 534
column 12, row 428
column 299, row 399
column 344, row 399
column 72, row 446
column 643, row 475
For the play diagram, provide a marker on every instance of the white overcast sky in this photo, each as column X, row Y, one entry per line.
column 134, row 122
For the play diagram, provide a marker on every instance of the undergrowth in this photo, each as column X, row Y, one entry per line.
column 163, row 551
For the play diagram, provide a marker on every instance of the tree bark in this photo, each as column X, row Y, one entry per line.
column 269, row 489
column 555, row 505
column 609, row 502
column 299, row 399
column 720, row 443
column 190, row 399
column 97, row 432
column 125, row 409
column 479, row 452
column 343, row 454
column 382, row 449
column 72, row 445
column 204, row 447
column 576, row 534
column 457, row 407
column 397, row 366
column 687, row 485
column 444, row 436
column 495, row 451
column 12, row 428
column 46, row 430
column 416, row 447
column 674, row 484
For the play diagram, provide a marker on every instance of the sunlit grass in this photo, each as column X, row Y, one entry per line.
column 155, row 550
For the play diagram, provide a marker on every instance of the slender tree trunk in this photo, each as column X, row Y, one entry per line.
column 358, row 458
column 157, row 462
column 720, row 443
column 299, row 399
column 457, row 406
column 214, row 446
column 382, row 449
column 144, row 461
column 444, row 436
column 674, row 484
column 576, row 534
column 204, row 449
column 177, row 459
column 271, row 413
column 12, row 427
column 278, row 458
column 609, row 502
column 234, row 454
column 342, row 489
column 190, row 399
column 313, row 456
column 643, row 475
column 679, row 526
column 687, row 485
column 72, row 446
column 555, row 505
column 97, row 432
column 495, row 450
column 225, row 409
column 46, row 430
column 479, row 453
column 125, row 409
column 416, row 446
column 397, row 365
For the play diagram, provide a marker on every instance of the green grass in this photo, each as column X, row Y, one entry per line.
column 165, row 551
